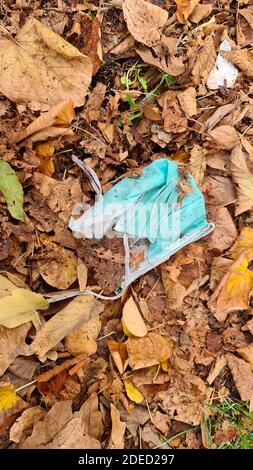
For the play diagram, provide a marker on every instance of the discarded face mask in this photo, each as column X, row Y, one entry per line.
column 158, row 212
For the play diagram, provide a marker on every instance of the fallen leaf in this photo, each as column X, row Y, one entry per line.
column 20, row 307
column 218, row 114
column 45, row 430
column 241, row 58
column 59, row 271
column 244, row 27
column 94, row 102
column 119, row 354
column 185, row 9
column 243, row 242
column 46, row 376
column 246, row 352
column 160, row 59
column 82, row 340
column 197, row 164
column 45, row 153
column 60, row 196
column 132, row 392
column 54, row 330
column 82, row 274
column 26, row 422
column 219, row 191
column 185, row 399
column 147, row 351
column 144, row 20
column 233, row 291
column 53, row 123
column 33, row 66
column 132, row 319
column 118, row 430
column 91, row 417
column 187, row 101
column 204, row 62
column 174, row 120
column 226, row 434
column 200, row 12
column 219, row 365
column 243, row 178
column 8, row 397
column 242, row 375
column 12, row 344
column 225, row 136
column 225, row 233
column 161, row 422
column 92, row 47
column 12, row 191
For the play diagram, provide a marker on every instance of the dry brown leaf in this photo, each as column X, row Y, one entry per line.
column 174, row 119
column 160, row 59
column 45, row 153
column 44, row 431
column 148, row 351
column 93, row 48
column 204, row 62
column 12, row 344
column 219, row 365
column 187, row 100
column 197, row 164
column 91, row 417
column 185, row 399
column 132, row 319
column 82, row 340
column 119, row 354
column 243, row 242
column 244, row 27
column 39, row 69
column 118, row 430
column 243, row 177
column 94, row 103
column 225, row 136
column 233, row 291
column 242, row 375
column 241, row 58
column 61, row 271
column 219, row 191
column 60, row 196
column 144, row 20
column 26, row 422
column 247, row 354
column 219, row 114
column 82, row 274
column 54, row 330
column 54, row 122
column 185, row 9
column 225, row 232
column 200, row 12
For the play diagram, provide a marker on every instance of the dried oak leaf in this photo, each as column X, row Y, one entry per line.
column 53, row 123
column 147, row 351
column 243, row 178
column 144, row 20
column 242, row 375
column 78, row 311
column 241, row 58
column 185, row 399
column 39, row 68
column 162, row 60
column 204, row 62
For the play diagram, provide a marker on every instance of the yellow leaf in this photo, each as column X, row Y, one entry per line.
column 20, row 307
column 165, row 365
column 124, row 328
column 8, row 397
column 243, row 242
column 40, row 69
column 185, row 9
column 132, row 321
column 45, row 153
column 133, row 393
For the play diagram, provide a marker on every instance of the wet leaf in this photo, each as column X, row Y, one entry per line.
column 12, row 191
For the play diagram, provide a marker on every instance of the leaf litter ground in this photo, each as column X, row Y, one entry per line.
column 121, row 84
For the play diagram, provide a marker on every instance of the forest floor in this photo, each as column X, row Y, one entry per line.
column 120, row 84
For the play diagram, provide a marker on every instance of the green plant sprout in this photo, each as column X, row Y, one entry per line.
column 134, row 78
column 236, row 413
